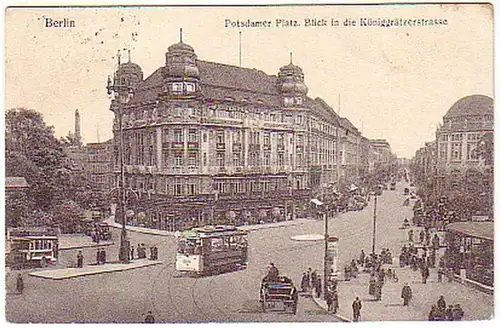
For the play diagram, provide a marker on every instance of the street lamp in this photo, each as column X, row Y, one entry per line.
column 117, row 107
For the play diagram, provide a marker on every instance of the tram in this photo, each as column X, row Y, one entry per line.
column 31, row 248
column 211, row 249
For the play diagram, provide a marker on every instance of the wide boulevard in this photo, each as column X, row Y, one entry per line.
column 127, row 296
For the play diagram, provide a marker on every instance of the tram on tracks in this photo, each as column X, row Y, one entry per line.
column 211, row 249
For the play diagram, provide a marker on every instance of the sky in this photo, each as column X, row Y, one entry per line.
column 391, row 82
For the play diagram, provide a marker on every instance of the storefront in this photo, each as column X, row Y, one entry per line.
column 470, row 250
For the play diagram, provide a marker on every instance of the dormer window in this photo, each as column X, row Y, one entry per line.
column 289, row 101
column 190, row 88
column 298, row 100
column 177, row 87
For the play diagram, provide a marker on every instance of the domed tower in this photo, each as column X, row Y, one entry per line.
column 126, row 78
column 128, row 74
column 181, row 73
column 291, row 84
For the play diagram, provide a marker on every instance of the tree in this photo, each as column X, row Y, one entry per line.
column 32, row 151
column 485, row 148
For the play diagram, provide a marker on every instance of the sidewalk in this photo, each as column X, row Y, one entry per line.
column 477, row 305
column 70, row 241
column 67, row 273
column 256, row 227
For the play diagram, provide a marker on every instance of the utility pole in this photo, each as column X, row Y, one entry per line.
column 374, row 222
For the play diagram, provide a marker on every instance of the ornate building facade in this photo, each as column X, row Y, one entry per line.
column 206, row 142
column 454, row 164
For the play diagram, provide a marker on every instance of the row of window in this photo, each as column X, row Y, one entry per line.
column 456, row 151
column 460, row 136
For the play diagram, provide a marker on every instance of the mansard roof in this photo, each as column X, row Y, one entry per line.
column 219, row 82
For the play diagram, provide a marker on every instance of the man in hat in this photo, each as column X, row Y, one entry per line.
column 149, row 318
column 356, row 309
column 406, row 294
column 19, row 284
column 79, row 259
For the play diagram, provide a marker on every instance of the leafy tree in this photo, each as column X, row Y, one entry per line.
column 485, row 148
column 32, row 151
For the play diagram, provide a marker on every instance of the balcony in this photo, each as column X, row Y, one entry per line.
column 254, row 147
column 193, row 145
column 220, row 146
column 222, row 170
column 177, row 145
column 267, row 147
column 281, row 147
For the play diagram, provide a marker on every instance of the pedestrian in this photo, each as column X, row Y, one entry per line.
column 449, row 313
column 425, row 274
column 371, row 286
column 378, row 291
column 79, row 259
column 329, row 300
column 139, row 253
column 457, row 313
column 433, row 314
column 440, row 274
column 406, row 294
column 362, row 257
column 143, row 250
column 318, row 286
column 356, row 309
column 98, row 256
column 410, row 235
column 347, row 273
column 335, row 301
column 402, row 259
column 155, row 250
column 435, row 242
column 441, row 303
column 304, row 282
column 19, row 283
column 103, row 256
column 149, row 318
column 381, row 276
column 422, row 236
column 151, row 253
column 309, row 277
column 131, row 252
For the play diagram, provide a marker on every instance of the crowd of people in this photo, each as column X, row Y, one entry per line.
column 439, row 311
column 141, row 252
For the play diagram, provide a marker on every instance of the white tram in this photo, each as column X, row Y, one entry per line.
column 211, row 249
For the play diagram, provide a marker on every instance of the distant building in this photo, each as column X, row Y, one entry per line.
column 98, row 165
column 454, row 165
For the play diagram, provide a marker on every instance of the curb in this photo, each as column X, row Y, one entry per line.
column 87, row 246
column 75, row 275
column 168, row 233
column 338, row 316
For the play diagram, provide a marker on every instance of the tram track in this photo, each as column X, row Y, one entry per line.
column 205, row 298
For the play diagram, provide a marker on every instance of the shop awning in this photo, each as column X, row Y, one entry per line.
column 317, row 202
column 481, row 230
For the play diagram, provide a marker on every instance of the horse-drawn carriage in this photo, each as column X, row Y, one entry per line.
column 279, row 295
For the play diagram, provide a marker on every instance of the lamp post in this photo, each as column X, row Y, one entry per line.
column 117, row 106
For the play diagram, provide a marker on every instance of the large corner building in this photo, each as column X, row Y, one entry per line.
column 206, row 142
